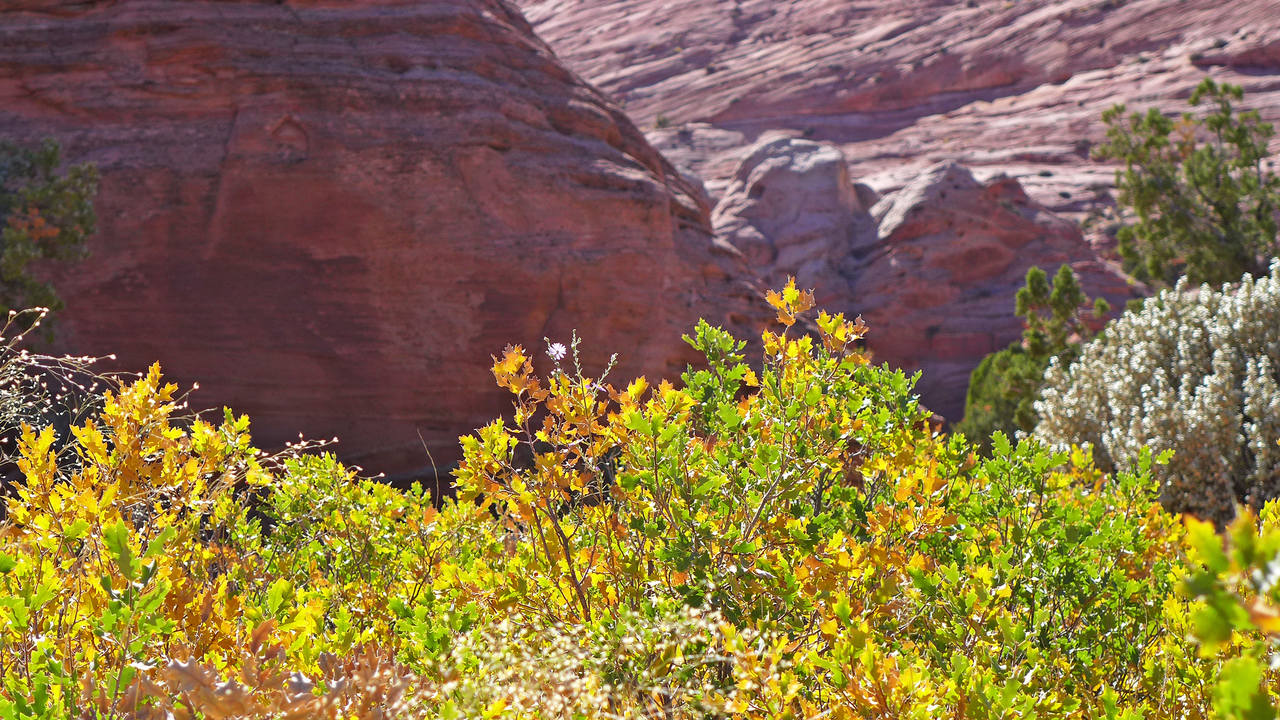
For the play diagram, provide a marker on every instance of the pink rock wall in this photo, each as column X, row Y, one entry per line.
column 1002, row 87
column 1013, row 91
column 933, row 267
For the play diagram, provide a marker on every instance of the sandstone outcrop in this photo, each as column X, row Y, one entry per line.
column 792, row 210
column 1013, row 91
column 951, row 254
column 332, row 214
column 1002, row 87
column 933, row 267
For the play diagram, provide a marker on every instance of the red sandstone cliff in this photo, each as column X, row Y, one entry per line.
column 331, row 214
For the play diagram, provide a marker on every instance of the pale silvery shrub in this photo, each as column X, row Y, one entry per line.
column 1193, row 371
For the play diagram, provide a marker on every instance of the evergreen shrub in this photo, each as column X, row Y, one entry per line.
column 1199, row 193
column 1004, row 387
column 1193, row 371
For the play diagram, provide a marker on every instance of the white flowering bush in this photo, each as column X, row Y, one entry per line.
column 1193, row 371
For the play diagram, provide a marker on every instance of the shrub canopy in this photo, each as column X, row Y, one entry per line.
column 789, row 542
column 1193, row 371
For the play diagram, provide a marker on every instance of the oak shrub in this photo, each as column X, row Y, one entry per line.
column 783, row 542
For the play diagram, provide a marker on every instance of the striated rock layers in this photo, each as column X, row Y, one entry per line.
column 331, row 214
column 732, row 90
column 933, row 267
column 1002, row 87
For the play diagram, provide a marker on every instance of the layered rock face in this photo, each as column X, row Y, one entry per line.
column 950, row 255
column 1013, row 91
column 1002, row 87
column 933, row 267
column 331, row 214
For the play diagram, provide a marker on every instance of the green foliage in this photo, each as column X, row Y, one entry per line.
column 44, row 215
column 1006, row 384
column 788, row 541
column 1233, row 581
column 1199, row 191
column 1000, row 395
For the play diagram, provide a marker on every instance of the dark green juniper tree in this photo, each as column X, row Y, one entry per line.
column 1005, row 385
column 1198, row 193
column 44, row 215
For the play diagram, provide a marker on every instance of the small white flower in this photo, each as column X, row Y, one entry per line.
column 556, row 351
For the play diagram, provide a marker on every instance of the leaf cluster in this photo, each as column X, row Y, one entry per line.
column 44, row 215
column 1004, row 387
column 1234, row 581
column 1199, row 191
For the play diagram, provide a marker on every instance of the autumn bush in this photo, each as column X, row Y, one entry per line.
column 788, row 540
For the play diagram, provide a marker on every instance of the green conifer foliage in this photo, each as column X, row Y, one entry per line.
column 44, row 215
column 1005, row 385
column 1198, row 193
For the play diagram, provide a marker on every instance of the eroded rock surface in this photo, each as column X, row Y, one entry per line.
column 1002, row 87
column 1013, row 91
column 951, row 254
column 332, row 214
column 933, row 267
column 792, row 210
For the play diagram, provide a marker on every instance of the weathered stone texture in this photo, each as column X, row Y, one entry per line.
column 331, row 214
